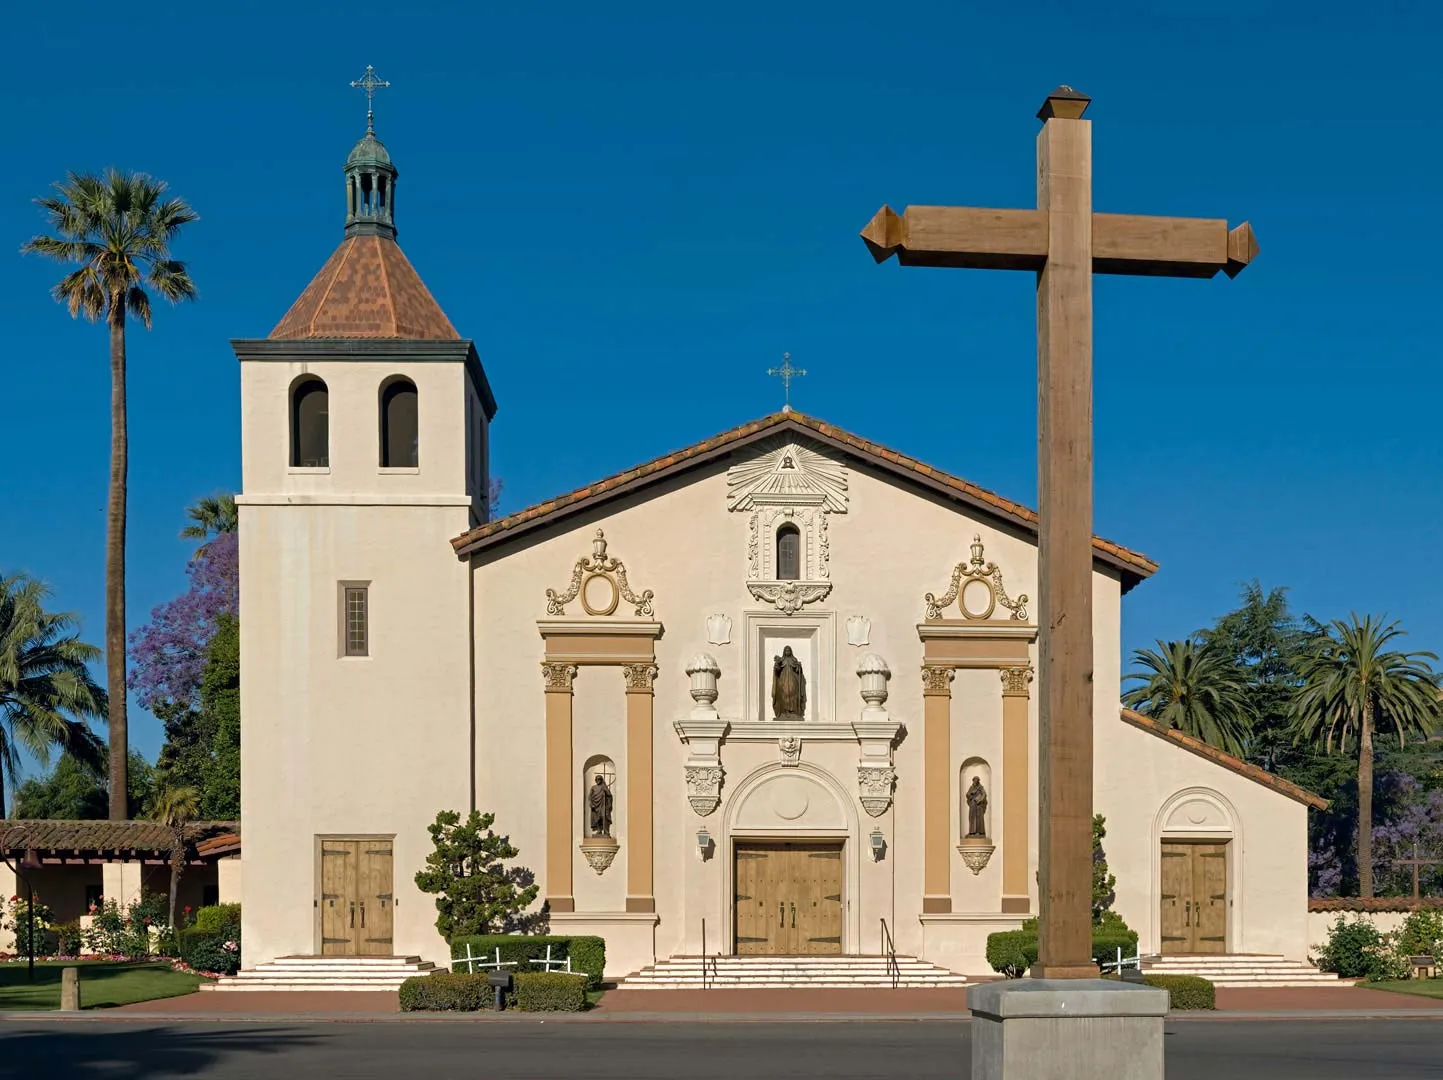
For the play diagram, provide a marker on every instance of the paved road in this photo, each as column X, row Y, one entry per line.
column 1197, row 1050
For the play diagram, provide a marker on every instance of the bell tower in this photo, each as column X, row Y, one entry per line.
column 364, row 418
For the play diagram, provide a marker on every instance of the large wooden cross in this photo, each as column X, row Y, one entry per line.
column 1417, row 864
column 1065, row 243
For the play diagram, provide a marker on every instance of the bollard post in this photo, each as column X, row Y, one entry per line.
column 70, row 989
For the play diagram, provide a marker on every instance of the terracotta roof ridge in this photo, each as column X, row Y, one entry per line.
column 347, row 246
column 1130, row 562
column 386, row 291
column 1231, row 762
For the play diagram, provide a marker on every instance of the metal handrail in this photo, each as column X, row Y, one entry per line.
column 889, row 950
column 705, row 960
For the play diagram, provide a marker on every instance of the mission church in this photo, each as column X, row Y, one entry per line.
column 770, row 694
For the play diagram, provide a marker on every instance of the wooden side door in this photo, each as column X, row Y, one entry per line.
column 338, row 877
column 821, row 904
column 1176, row 898
column 753, row 900
column 1210, row 898
column 374, row 899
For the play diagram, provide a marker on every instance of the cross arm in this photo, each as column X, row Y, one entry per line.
column 960, row 236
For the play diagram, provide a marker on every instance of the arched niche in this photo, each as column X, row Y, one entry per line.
column 310, row 423
column 400, row 424
column 976, row 768
column 792, row 800
column 602, row 766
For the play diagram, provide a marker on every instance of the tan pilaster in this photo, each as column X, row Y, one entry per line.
column 1015, row 786
column 558, row 785
column 640, row 893
column 936, row 788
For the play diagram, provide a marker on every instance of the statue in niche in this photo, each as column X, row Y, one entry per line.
column 789, row 687
column 976, row 809
column 598, row 801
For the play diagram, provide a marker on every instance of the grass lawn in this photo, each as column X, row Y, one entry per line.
column 102, row 983
column 1431, row 988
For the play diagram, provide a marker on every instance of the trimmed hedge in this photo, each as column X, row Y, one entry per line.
column 532, row 991
column 1012, row 952
column 204, row 950
column 550, row 991
column 446, row 992
column 587, row 954
column 1185, row 991
column 217, row 917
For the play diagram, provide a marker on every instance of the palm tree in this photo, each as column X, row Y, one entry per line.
column 118, row 228
column 46, row 692
column 211, row 516
column 175, row 808
column 1354, row 686
column 1195, row 689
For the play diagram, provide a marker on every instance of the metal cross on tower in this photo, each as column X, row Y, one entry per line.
column 787, row 373
column 370, row 84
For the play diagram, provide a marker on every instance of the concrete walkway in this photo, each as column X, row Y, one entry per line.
column 751, row 1006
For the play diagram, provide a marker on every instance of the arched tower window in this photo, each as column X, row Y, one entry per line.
column 789, row 553
column 310, row 424
column 400, row 433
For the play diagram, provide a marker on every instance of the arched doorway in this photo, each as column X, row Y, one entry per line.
column 1196, row 873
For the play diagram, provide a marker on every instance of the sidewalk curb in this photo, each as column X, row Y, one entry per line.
column 106, row 1016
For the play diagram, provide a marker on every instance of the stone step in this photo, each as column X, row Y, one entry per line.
column 326, row 973
column 787, row 972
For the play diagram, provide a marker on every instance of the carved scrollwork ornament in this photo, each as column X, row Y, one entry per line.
column 558, row 676
column 985, row 573
column 703, row 787
column 937, row 679
column 1015, row 680
column 638, row 676
column 789, row 596
column 791, row 749
column 874, row 784
column 601, row 564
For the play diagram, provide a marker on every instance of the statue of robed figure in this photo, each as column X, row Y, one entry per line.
column 976, row 809
column 599, row 804
column 789, row 687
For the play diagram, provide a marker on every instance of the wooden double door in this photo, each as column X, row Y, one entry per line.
column 788, row 898
column 357, row 905
column 1195, row 899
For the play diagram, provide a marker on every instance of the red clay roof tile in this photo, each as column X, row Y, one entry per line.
column 366, row 289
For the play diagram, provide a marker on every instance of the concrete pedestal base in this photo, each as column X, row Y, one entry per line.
column 1066, row 1029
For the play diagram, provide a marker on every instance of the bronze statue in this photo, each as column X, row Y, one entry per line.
column 789, row 687
column 976, row 809
column 599, row 801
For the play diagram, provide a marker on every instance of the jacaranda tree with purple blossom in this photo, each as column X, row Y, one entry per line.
column 186, row 669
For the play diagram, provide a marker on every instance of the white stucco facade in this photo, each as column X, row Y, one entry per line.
column 451, row 707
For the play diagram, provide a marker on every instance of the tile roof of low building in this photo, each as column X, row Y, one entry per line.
column 1226, row 760
column 58, row 835
column 1134, row 565
column 366, row 289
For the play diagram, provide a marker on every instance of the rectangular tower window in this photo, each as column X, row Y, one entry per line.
column 354, row 621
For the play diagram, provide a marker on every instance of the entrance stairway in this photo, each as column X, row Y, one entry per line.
column 779, row 972
column 326, row 973
column 1242, row 970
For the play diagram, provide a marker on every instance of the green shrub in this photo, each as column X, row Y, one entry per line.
column 550, row 991
column 214, row 953
column 67, row 938
column 446, row 992
column 1356, row 950
column 1012, row 952
column 217, row 917
column 1421, row 934
column 587, row 954
column 1185, row 991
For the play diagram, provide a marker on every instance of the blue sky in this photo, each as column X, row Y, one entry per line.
column 661, row 201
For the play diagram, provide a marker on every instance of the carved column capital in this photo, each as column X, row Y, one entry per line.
column 937, row 680
column 1015, row 680
column 638, row 677
column 558, row 676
